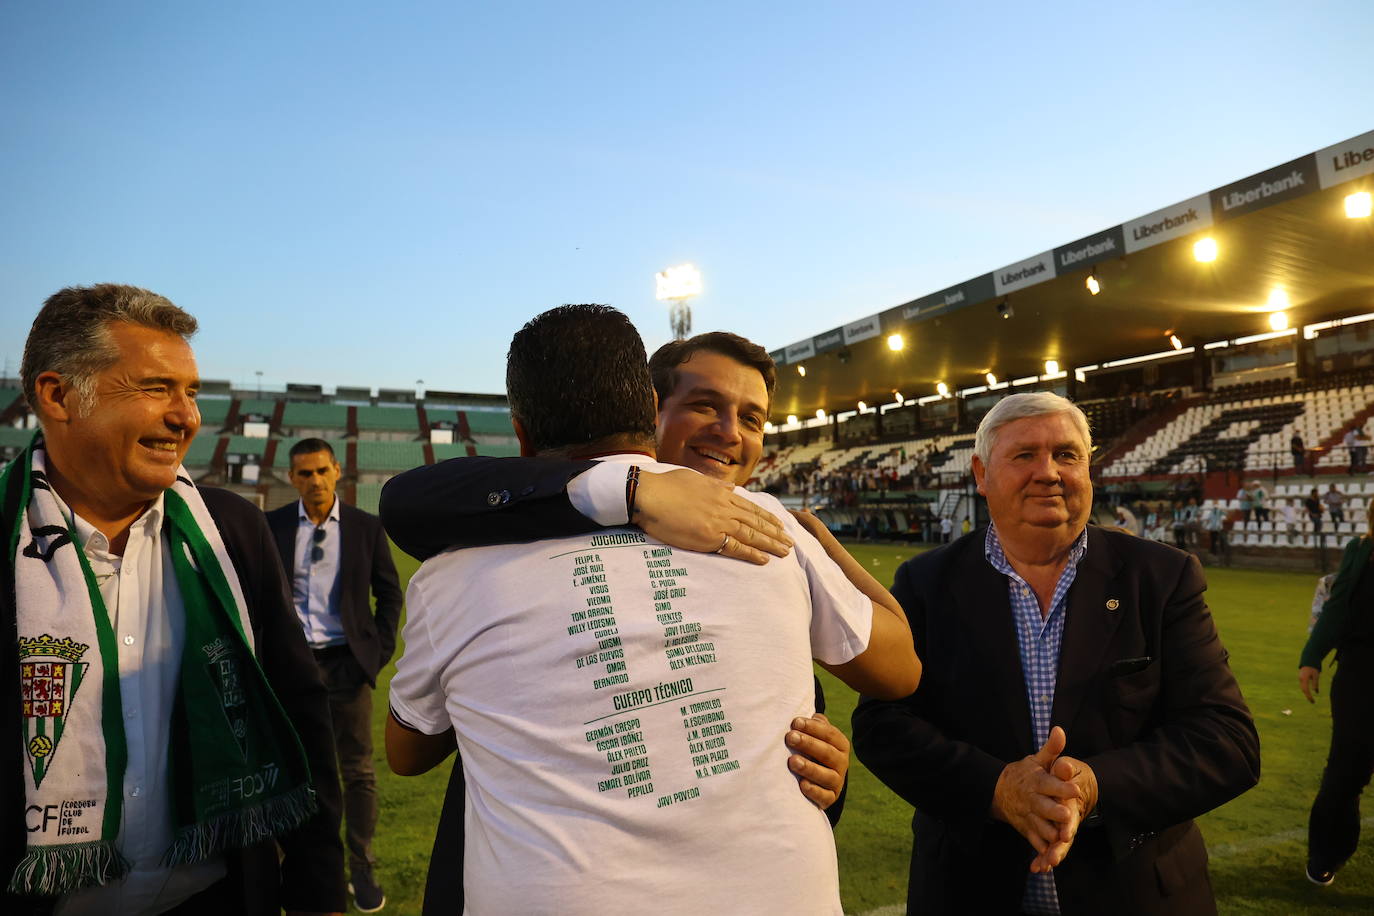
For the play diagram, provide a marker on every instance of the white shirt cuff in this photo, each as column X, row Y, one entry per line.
column 599, row 493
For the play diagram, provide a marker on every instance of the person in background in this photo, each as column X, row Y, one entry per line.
column 1312, row 504
column 1245, row 499
column 1259, row 499
column 1076, row 710
column 1299, row 452
column 1216, row 528
column 1335, row 503
column 1345, row 624
column 339, row 561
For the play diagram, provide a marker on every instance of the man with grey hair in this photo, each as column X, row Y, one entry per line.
column 164, row 715
column 1077, row 709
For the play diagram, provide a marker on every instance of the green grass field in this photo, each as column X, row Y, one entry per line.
column 1257, row 842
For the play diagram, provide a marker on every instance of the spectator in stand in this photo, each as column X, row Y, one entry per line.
column 1290, row 521
column 1313, row 504
column 1355, row 445
column 1335, row 503
column 1126, row 519
column 946, row 529
column 1243, row 497
column 1183, row 520
column 1299, row 453
column 1259, row 499
column 1346, row 624
column 1216, row 528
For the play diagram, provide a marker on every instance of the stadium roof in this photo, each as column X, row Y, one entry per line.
column 1284, row 228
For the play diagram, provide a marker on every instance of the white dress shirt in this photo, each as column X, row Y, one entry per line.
column 144, row 604
column 315, row 583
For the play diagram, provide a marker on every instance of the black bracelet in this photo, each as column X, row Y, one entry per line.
column 631, row 488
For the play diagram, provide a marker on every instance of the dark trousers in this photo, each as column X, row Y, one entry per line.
column 350, row 706
column 1333, row 831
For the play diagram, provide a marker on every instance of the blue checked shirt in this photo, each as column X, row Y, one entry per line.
column 1039, row 641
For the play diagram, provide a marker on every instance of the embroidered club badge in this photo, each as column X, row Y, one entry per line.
column 50, row 673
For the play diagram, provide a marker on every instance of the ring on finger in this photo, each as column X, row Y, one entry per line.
column 723, row 544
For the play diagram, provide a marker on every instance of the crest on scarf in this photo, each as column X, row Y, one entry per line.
column 50, row 673
column 224, row 674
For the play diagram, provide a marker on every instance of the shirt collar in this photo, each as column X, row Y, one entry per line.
column 91, row 538
column 992, row 549
column 626, row 458
column 332, row 516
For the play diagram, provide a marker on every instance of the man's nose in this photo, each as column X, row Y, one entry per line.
column 183, row 413
column 1046, row 468
column 727, row 425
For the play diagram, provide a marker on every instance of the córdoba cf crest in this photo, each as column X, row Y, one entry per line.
column 50, row 673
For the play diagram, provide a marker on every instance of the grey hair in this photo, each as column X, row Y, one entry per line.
column 1019, row 407
column 71, row 335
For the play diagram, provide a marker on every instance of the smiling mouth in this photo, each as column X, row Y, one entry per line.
column 711, row 454
column 161, row 445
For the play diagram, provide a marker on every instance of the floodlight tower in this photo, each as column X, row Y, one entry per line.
column 676, row 286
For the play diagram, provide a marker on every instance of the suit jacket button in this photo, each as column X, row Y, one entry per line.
column 493, row 498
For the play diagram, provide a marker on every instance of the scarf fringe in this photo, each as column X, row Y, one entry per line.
column 237, row 829
column 49, row 871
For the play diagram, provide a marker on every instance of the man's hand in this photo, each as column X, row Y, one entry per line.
column 1081, row 775
column 1309, row 679
column 820, row 758
column 695, row 512
column 1032, row 799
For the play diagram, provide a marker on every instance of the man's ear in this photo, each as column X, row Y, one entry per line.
column 56, row 400
column 526, row 447
column 979, row 472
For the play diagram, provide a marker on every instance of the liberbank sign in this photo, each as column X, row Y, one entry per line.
column 1326, row 168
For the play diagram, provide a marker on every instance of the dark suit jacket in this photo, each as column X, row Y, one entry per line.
column 364, row 562
column 1144, row 693
column 469, row 502
column 310, row 874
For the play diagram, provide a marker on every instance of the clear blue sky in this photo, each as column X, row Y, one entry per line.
column 370, row 194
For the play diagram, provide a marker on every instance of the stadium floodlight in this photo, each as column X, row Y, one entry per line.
column 895, row 342
column 862, row 407
column 897, row 397
column 1278, row 321
column 1004, row 309
column 768, row 427
column 1175, row 342
column 820, row 413
column 1094, row 287
column 992, row 379
column 801, row 370
column 676, row 286
column 1080, row 375
column 1359, row 205
column 1051, row 367
column 1205, row 249
column 942, row 389
column 791, row 419
column 1278, row 299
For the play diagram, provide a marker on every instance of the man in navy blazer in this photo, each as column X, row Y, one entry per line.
column 1077, row 709
column 335, row 555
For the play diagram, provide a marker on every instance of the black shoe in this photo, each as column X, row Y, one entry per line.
column 1318, row 876
column 367, row 893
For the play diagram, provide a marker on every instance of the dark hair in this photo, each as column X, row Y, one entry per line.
column 663, row 364
column 576, row 375
column 71, row 335
column 311, row 446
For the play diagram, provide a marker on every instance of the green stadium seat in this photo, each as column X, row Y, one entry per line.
column 390, row 456
column 389, row 418
column 264, row 406
column 213, row 412
column 489, row 423
column 315, row 416
column 247, row 445
column 202, row 450
column 444, row 452
column 497, row 451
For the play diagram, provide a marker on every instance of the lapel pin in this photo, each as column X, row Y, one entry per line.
column 1113, row 604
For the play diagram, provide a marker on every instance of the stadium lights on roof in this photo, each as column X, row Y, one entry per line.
column 1205, row 250
column 942, row 389
column 1025, row 380
column 1310, row 331
column 1004, row 309
column 1256, row 338
column 1278, row 299
column 791, row 419
column 1278, row 321
column 897, row 397
column 862, row 407
column 680, row 282
column 768, row 427
column 1131, row 360
column 1094, row 287
column 1175, row 342
column 1051, row 367
column 929, row 399
column 992, row 379
column 1359, row 205
column 801, row 370
column 895, row 342
column 976, row 389
column 1080, row 375
column 820, row 413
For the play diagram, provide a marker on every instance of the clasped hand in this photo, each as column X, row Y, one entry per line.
column 1045, row 797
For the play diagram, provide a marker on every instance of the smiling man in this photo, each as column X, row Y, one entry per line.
column 1040, row 629
column 158, row 667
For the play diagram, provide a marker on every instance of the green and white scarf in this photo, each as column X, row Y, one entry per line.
column 238, row 771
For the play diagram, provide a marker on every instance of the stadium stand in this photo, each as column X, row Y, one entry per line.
column 497, row 450
column 213, row 413
column 202, row 450
column 445, row 451
column 389, row 456
column 398, row 419
column 263, row 406
column 246, row 445
column 305, row 419
column 489, row 423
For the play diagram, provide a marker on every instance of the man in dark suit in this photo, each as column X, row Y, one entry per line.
column 111, row 376
column 336, row 555
column 1043, row 638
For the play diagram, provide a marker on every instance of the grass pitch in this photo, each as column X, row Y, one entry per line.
column 1257, row 842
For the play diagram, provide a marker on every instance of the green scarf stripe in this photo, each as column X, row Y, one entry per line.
column 180, row 515
column 112, row 703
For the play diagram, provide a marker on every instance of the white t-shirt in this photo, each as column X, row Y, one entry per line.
column 620, row 708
